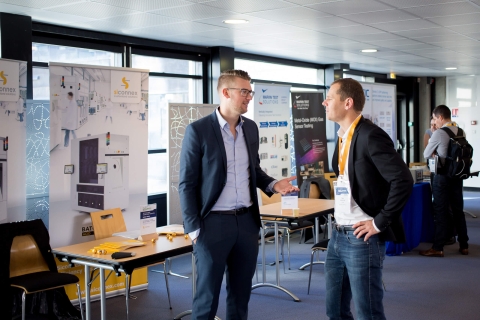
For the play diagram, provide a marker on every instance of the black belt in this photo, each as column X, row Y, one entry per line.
column 340, row 228
column 235, row 212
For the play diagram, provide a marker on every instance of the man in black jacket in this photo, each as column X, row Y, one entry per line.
column 373, row 186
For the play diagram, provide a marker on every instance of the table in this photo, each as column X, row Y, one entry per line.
column 149, row 254
column 417, row 220
column 309, row 208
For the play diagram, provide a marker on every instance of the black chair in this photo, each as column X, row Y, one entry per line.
column 32, row 267
column 319, row 246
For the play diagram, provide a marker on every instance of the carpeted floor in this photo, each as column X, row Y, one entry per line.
column 416, row 287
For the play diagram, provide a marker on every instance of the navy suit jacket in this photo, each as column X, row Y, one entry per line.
column 380, row 180
column 203, row 169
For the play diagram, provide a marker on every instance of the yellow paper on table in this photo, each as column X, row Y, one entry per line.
column 111, row 247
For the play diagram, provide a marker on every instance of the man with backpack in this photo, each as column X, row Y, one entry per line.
column 447, row 186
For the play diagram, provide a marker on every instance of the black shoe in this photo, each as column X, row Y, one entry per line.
column 450, row 241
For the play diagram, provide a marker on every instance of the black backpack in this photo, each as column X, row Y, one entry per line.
column 459, row 157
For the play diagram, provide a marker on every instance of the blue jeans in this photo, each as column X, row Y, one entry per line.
column 353, row 269
column 67, row 137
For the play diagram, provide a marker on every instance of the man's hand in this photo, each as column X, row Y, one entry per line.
column 283, row 186
column 364, row 228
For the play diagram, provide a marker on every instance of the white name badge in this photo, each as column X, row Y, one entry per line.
column 342, row 195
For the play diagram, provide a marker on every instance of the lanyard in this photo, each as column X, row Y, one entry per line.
column 343, row 159
column 451, row 124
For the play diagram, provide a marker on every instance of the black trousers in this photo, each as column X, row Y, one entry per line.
column 448, row 193
column 226, row 244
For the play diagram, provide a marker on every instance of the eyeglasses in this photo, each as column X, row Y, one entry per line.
column 244, row 92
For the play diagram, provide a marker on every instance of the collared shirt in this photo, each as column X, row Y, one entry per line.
column 236, row 193
column 439, row 142
column 356, row 213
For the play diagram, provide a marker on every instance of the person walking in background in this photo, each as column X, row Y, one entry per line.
column 447, row 192
column 219, row 175
column 373, row 186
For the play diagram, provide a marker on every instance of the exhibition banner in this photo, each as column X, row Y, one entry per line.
column 309, row 130
column 13, row 94
column 381, row 107
column 180, row 115
column 271, row 112
column 98, row 150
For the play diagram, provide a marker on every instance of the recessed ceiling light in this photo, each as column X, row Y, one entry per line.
column 235, row 21
column 451, row 68
column 369, row 50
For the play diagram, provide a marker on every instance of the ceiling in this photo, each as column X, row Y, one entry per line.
column 413, row 37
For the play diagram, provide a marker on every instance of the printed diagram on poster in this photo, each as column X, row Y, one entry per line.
column 98, row 146
column 271, row 112
column 309, row 129
column 381, row 107
column 13, row 94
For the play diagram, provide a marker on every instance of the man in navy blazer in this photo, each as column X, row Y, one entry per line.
column 219, row 174
column 373, row 186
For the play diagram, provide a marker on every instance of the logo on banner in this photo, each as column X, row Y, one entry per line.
column 264, row 90
column 125, row 82
column 126, row 86
column 296, row 97
column 9, row 81
column 3, row 76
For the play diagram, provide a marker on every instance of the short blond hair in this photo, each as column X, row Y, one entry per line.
column 227, row 76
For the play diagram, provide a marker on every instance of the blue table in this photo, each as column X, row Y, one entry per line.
column 417, row 219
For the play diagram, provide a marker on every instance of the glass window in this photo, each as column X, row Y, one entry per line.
column 41, row 89
column 42, row 52
column 279, row 72
column 162, row 91
column 167, row 65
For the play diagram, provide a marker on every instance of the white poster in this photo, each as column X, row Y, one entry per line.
column 125, row 86
column 271, row 112
column 13, row 93
column 9, row 81
column 98, row 149
column 381, row 107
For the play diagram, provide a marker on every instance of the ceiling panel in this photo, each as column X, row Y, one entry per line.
column 133, row 21
column 218, row 21
column 289, row 14
column 419, row 33
column 352, row 31
column 393, row 43
column 246, row 6
column 445, row 9
column 404, row 25
column 465, row 29
column 379, row 16
column 41, row 4
column 271, row 28
column 414, row 3
column 381, row 35
column 92, row 10
column 349, row 7
column 192, row 12
column 174, row 29
column 144, row 5
column 323, row 23
column 457, row 20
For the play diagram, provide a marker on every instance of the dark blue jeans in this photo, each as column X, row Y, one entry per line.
column 448, row 193
column 353, row 269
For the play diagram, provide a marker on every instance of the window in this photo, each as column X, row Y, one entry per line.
column 42, row 52
column 280, row 72
column 171, row 80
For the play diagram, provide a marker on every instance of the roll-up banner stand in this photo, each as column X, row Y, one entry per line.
column 180, row 115
column 381, row 107
column 13, row 96
column 98, row 154
column 309, row 130
column 271, row 112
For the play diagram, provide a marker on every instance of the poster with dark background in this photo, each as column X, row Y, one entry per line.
column 309, row 131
